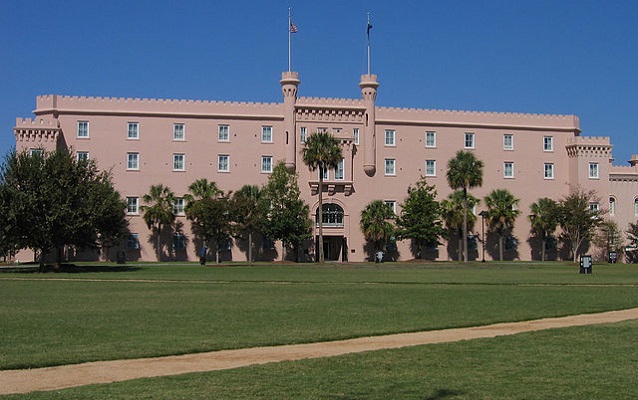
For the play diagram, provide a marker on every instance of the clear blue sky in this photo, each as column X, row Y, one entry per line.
column 536, row 56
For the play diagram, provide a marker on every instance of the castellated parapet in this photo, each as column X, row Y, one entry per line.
column 124, row 106
column 598, row 146
column 39, row 130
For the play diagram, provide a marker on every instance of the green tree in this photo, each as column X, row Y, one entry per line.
column 376, row 223
column 544, row 220
column 501, row 215
column 55, row 201
column 420, row 218
column 323, row 152
column 632, row 238
column 464, row 171
column 159, row 213
column 283, row 214
column 245, row 215
column 607, row 239
column 452, row 211
column 578, row 219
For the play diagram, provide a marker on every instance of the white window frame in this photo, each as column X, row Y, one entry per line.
column 594, row 171
column 548, row 170
column 35, row 152
column 133, row 241
column 82, row 156
column 430, row 139
column 179, row 131
column 594, row 206
column 132, row 205
column 223, row 133
column 508, row 141
column 178, row 206
column 469, row 140
column 266, row 134
column 390, row 167
column 303, row 134
column 133, row 161
column 266, row 164
column 326, row 174
column 390, row 137
column 223, row 163
column 392, row 204
column 83, row 130
column 430, row 167
column 133, row 130
column 355, row 135
column 508, row 169
column 612, row 206
column 636, row 206
column 179, row 162
column 548, row 143
column 340, row 171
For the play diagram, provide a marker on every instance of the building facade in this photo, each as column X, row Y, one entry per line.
column 175, row 142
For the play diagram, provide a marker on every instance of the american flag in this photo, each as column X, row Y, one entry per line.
column 293, row 27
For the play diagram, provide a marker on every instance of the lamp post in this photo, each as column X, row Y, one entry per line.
column 483, row 214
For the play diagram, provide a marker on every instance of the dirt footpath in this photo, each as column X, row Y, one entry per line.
column 23, row 381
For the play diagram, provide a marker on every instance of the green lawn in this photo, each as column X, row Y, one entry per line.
column 149, row 310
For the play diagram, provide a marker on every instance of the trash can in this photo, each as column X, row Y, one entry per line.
column 585, row 264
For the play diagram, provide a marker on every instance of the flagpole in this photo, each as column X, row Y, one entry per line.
column 368, row 27
column 289, row 33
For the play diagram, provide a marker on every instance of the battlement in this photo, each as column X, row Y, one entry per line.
column 589, row 141
column 37, row 123
column 329, row 102
column 143, row 105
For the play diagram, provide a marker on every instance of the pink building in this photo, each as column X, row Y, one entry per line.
column 175, row 142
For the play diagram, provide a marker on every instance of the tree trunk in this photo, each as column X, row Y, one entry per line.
column 464, row 224
column 159, row 243
column 543, row 248
column 500, row 248
column 321, row 257
column 250, row 247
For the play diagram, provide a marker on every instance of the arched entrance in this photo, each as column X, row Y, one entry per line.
column 335, row 246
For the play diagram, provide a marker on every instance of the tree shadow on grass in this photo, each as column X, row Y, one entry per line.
column 29, row 268
column 442, row 394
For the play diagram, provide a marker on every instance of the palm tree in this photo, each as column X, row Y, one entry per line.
column 464, row 171
column 201, row 189
column 160, row 212
column 501, row 214
column 375, row 223
column 202, row 192
column 323, row 152
column 544, row 220
column 245, row 213
column 452, row 213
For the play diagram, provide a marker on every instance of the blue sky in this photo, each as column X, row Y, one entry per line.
column 555, row 57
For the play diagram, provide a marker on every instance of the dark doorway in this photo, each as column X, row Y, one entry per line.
column 332, row 247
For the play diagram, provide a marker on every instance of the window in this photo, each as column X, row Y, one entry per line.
column 390, row 136
column 179, row 132
column 326, row 174
column 223, row 133
column 469, row 140
column 133, row 161
column 355, row 135
column 35, row 152
column 508, row 141
column 430, row 139
column 390, row 166
column 223, row 164
column 266, row 134
column 133, row 241
column 83, row 129
column 636, row 207
column 179, row 241
column 82, row 155
column 612, row 206
column 392, row 204
column 593, row 170
column 178, row 162
column 303, row 134
column 594, row 207
column 430, row 167
column 331, row 215
column 508, row 169
column 133, row 130
column 132, row 205
column 266, row 164
column 548, row 143
column 548, row 171
column 178, row 206
column 339, row 172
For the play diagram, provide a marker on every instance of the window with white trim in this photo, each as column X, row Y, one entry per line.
column 132, row 205
column 326, row 174
column 223, row 163
column 133, row 161
column 430, row 139
column 548, row 171
column 303, row 134
column 83, row 129
column 179, row 161
column 82, row 155
column 594, row 207
column 508, row 169
column 548, row 143
column 35, row 152
column 430, row 167
column 469, row 140
column 178, row 206
column 390, row 137
column 223, row 133
column 390, row 166
column 133, row 130
column 179, row 132
column 266, row 134
column 612, row 206
column 355, row 135
column 508, row 141
column 392, row 204
column 636, row 207
column 340, row 171
column 593, row 170
column 266, row 164
column 133, row 241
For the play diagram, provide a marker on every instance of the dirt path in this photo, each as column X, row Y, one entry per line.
column 23, row 381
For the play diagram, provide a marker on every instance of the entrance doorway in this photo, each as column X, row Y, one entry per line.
column 334, row 248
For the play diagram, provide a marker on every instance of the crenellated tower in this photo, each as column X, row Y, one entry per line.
column 289, row 84
column 369, row 87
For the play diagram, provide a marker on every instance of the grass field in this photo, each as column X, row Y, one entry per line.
column 103, row 312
